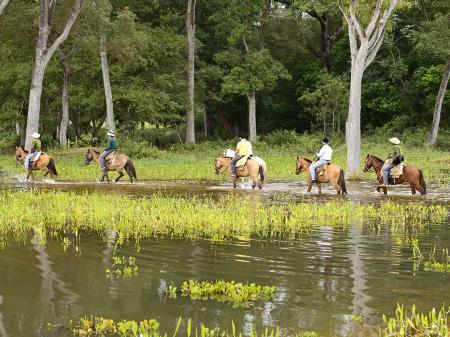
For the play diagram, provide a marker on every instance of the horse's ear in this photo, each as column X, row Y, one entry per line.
column 298, row 157
column 368, row 155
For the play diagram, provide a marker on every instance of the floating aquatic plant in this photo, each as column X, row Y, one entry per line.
column 99, row 326
column 122, row 266
column 414, row 324
column 236, row 293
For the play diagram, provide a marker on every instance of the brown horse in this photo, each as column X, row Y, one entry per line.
column 45, row 163
column 253, row 168
column 411, row 174
column 117, row 163
column 333, row 174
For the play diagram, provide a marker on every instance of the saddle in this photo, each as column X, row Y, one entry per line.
column 321, row 169
column 241, row 162
column 396, row 171
column 110, row 158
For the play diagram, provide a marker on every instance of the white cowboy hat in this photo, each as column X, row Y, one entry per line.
column 111, row 133
column 35, row 135
column 394, row 140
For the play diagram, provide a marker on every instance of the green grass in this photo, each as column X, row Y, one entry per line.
column 232, row 217
column 196, row 162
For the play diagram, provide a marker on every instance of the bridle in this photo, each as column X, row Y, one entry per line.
column 218, row 169
column 373, row 166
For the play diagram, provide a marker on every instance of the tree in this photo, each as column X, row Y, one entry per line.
column 434, row 39
column 44, row 53
column 67, row 72
column 107, row 83
column 364, row 45
column 3, row 4
column 330, row 19
column 190, row 28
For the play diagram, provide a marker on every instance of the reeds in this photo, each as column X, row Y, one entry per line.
column 232, row 217
column 414, row 324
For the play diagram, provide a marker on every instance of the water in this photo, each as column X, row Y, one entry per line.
column 322, row 280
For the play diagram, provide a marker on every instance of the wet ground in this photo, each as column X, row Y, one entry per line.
column 321, row 280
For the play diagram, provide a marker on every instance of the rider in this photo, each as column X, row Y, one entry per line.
column 110, row 148
column 394, row 159
column 324, row 157
column 243, row 148
column 35, row 150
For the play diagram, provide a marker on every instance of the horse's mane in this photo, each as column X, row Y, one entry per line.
column 21, row 147
column 375, row 157
column 306, row 159
column 95, row 151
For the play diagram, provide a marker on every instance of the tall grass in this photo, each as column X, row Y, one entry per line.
column 232, row 217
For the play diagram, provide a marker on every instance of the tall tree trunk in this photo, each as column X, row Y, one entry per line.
column 190, row 27
column 251, row 97
column 43, row 56
column 107, row 83
column 353, row 124
column 3, row 4
column 438, row 106
column 207, row 121
column 65, row 100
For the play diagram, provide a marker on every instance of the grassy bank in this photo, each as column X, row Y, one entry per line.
column 232, row 217
column 197, row 162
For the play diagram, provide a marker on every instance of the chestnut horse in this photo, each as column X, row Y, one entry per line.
column 45, row 163
column 411, row 174
column 252, row 168
column 333, row 174
column 118, row 163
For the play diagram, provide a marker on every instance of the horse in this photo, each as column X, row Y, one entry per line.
column 410, row 174
column 45, row 163
column 333, row 174
column 252, row 168
column 117, row 163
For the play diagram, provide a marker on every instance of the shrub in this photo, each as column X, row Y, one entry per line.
column 280, row 137
column 138, row 150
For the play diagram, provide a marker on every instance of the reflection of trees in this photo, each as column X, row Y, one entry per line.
column 2, row 326
column 51, row 283
column 108, row 253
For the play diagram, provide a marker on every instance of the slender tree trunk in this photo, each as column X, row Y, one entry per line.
column 207, row 121
column 438, row 106
column 251, row 97
column 3, row 4
column 107, row 83
column 190, row 27
column 65, row 100
column 43, row 56
column 353, row 125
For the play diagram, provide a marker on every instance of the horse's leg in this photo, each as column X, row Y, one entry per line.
column 120, row 176
column 385, row 190
column 309, row 187
column 413, row 188
column 319, row 188
column 336, row 186
column 234, row 182
column 255, row 180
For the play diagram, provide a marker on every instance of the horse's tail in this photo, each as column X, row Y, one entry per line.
column 341, row 182
column 51, row 167
column 422, row 183
column 129, row 167
column 263, row 173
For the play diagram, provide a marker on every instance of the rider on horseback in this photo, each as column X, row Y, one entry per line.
column 35, row 150
column 324, row 157
column 243, row 148
column 394, row 159
column 110, row 148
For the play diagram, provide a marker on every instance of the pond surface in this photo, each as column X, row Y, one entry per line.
column 322, row 280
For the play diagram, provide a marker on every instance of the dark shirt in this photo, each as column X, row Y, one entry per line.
column 112, row 144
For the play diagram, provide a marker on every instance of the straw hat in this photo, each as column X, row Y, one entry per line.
column 35, row 135
column 111, row 133
column 394, row 140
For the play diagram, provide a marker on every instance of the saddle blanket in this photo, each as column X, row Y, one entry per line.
column 111, row 156
column 396, row 171
column 241, row 162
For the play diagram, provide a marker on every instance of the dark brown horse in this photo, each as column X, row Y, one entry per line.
column 411, row 174
column 333, row 174
column 117, row 163
column 45, row 163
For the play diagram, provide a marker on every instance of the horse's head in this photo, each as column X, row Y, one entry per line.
column 300, row 165
column 20, row 154
column 88, row 157
column 220, row 163
column 368, row 163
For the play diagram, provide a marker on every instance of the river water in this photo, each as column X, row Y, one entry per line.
column 322, row 280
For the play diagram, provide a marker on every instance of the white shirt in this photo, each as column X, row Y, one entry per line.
column 325, row 152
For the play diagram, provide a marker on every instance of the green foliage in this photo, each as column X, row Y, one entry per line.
column 122, row 266
column 236, row 293
column 282, row 137
column 415, row 324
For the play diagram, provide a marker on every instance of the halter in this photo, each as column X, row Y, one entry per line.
column 375, row 167
column 218, row 170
